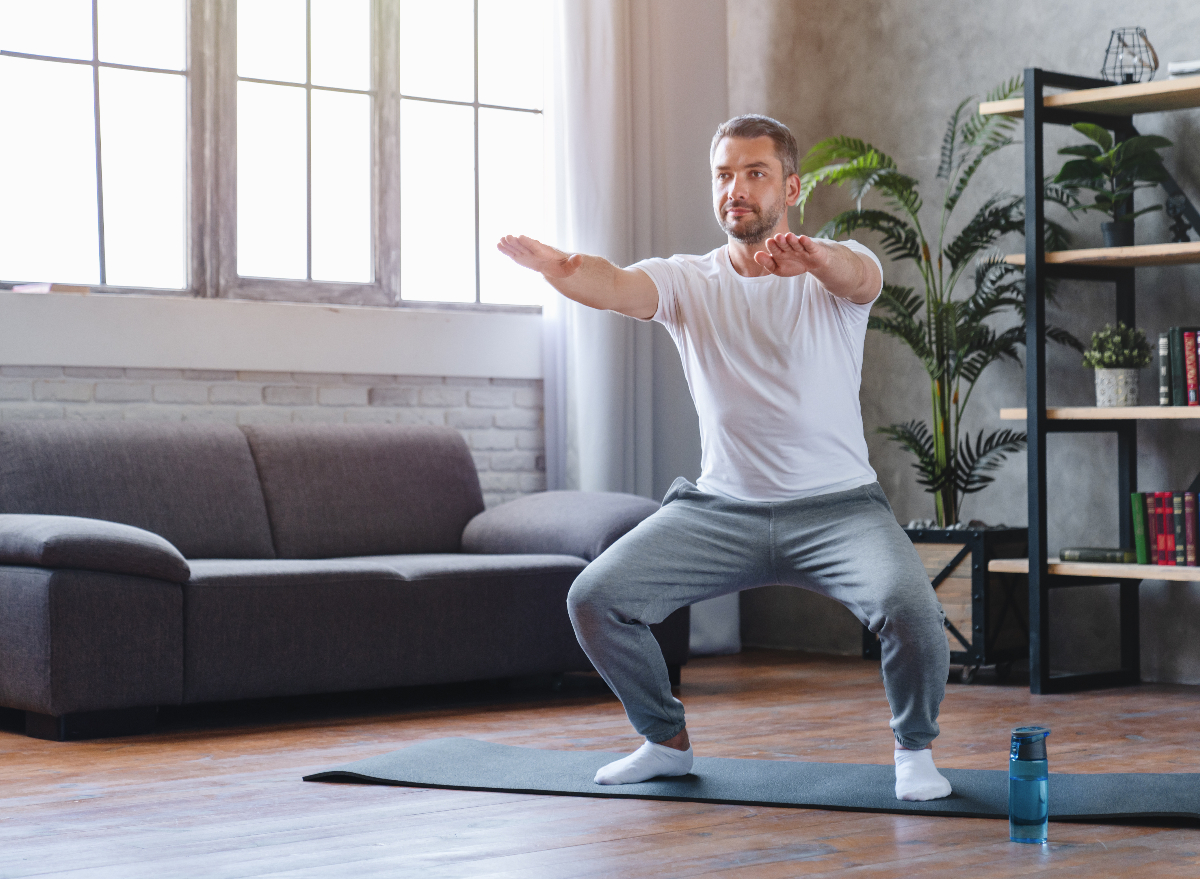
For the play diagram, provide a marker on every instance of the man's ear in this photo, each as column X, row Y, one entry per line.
column 791, row 189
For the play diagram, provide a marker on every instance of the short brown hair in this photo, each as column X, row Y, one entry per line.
column 753, row 125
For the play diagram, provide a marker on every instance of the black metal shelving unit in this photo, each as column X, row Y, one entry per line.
column 1039, row 425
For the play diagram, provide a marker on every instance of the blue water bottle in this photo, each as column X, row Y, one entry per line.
column 1028, row 785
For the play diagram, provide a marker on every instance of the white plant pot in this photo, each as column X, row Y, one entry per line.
column 1116, row 387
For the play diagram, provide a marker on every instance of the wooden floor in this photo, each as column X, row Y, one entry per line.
column 217, row 792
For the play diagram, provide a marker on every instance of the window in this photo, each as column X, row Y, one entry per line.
column 354, row 151
column 94, row 154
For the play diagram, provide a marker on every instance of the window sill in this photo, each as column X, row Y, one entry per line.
column 148, row 329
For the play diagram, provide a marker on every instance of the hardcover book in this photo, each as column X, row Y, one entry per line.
column 1189, row 526
column 1152, row 521
column 1180, row 528
column 1189, row 368
column 1164, row 369
column 1167, row 510
column 1092, row 554
column 1137, row 501
column 1178, row 376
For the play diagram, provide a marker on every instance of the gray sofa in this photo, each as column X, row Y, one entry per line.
column 146, row 564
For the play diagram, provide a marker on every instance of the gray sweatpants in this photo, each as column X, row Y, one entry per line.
column 846, row 545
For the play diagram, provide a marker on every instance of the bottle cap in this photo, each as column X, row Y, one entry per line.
column 1029, row 742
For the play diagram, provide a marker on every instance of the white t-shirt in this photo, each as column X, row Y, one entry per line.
column 774, row 366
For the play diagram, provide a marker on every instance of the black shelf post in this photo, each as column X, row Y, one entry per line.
column 1035, row 381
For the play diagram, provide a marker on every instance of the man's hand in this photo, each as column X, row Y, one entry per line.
column 532, row 254
column 845, row 273
column 788, row 255
column 589, row 280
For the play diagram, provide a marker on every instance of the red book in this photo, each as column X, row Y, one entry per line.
column 1189, row 367
column 1168, row 529
column 1152, row 526
column 1189, row 526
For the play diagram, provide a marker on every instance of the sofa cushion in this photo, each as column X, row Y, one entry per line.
column 432, row 566
column 88, row 544
column 295, row 626
column 351, row 490
column 582, row 523
column 194, row 485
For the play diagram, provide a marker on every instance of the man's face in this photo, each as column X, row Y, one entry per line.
column 750, row 195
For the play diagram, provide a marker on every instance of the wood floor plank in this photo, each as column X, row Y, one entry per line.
column 219, row 794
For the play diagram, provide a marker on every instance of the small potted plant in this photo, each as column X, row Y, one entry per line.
column 1113, row 172
column 1117, row 353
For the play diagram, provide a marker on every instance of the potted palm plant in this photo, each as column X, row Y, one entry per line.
column 1113, row 171
column 955, row 337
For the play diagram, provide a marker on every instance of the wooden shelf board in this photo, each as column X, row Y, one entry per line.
column 1121, row 257
column 1111, row 413
column 1116, row 100
column 1097, row 569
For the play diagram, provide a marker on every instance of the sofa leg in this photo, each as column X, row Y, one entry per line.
column 675, row 674
column 90, row 724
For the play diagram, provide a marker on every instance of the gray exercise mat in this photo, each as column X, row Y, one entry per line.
column 468, row 764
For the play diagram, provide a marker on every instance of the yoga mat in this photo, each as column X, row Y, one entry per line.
column 468, row 764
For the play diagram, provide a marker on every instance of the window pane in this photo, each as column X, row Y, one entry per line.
column 437, row 202
column 62, row 28
column 341, row 43
column 145, row 33
column 48, row 229
column 341, row 187
column 272, row 195
column 143, row 129
column 437, row 49
column 271, row 39
column 511, row 202
column 513, row 35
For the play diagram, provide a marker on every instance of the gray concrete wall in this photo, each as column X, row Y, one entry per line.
column 891, row 72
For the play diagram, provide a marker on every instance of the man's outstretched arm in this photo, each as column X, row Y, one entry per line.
column 844, row 272
column 589, row 280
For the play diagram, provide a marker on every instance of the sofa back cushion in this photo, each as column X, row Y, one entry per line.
column 356, row 490
column 195, row 485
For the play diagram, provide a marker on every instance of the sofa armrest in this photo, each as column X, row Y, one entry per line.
column 90, row 545
column 578, row 523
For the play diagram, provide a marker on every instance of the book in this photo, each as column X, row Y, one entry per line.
column 1164, row 369
column 1180, row 539
column 1190, row 527
column 1152, row 526
column 1138, row 502
column 1178, row 376
column 1092, row 554
column 1182, row 68
column 1167, row 510
column 1189, row 368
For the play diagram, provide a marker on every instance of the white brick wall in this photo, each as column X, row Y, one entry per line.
column 501, row 419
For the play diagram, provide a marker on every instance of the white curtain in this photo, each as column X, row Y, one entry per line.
column 599, row 380
column 621, row 69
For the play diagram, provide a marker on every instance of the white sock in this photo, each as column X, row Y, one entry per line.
column 917, row 778
column 648, row 761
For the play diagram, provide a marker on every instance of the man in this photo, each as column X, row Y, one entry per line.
column 770, row 328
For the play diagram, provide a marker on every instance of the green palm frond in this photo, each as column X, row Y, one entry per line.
column 900, row 240
column 998, row 216
column 916, row 438
column 976, row 461
column 950, row 145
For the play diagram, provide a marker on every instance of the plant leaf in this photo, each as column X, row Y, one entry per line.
column 1096, row 133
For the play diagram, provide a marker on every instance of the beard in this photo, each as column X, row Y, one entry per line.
column 753, row 228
